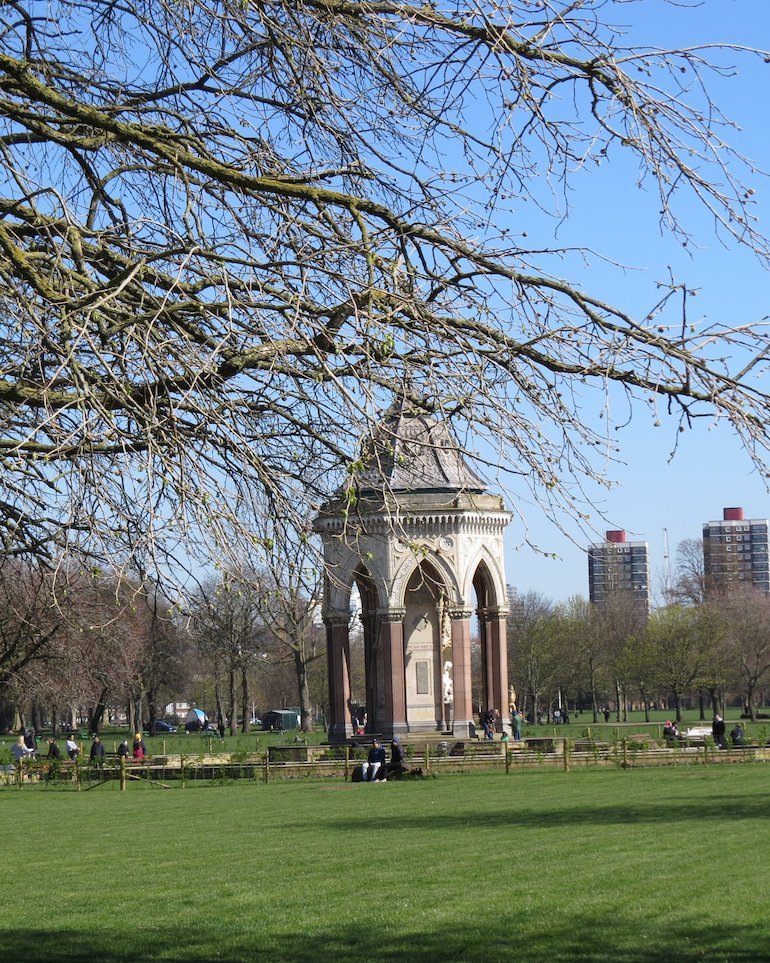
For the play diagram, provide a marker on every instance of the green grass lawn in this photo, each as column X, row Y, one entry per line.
column 641, row 865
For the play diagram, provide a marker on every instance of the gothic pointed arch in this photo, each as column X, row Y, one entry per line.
column 492, row 625
column 431, row 561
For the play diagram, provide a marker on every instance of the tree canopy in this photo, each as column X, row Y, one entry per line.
column 229, row 231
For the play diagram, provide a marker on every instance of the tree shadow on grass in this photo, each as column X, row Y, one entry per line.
column 660, row 811
column 573, row 940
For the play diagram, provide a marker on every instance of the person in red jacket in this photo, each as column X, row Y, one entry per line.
column 139, row 750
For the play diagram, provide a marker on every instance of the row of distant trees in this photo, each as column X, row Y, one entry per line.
column 693, row 647
column 79, row 641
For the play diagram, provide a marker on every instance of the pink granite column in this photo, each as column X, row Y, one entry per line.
column 394, row 722
column 462, row 693
column 338, row 657
column 497, row 654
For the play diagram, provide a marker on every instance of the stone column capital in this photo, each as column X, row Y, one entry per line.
column 335, row 616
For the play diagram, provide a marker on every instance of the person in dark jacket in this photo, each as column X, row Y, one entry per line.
column 97, row 751
column 718, row 730
column 396, row 766
column 374, row 762
column 55, row 757
column 671, row 732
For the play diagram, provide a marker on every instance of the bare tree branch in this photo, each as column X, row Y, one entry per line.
column 228, row 234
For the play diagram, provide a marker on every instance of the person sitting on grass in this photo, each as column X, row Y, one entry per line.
column 374, row 762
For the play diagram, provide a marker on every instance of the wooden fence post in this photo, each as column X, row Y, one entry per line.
column 123, row 780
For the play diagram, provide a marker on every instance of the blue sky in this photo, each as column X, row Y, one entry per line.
column 709, row 471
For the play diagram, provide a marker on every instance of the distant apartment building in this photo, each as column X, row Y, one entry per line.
column 735, row 553
column 514, row 602
column 617, row 567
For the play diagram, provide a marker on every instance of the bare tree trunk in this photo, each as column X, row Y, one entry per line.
column 750, row 701
column 716, row 706
column 592, row 683
column 245, row 703
column 645, row 703
column 37, row 716
column 221, row 715
column 152, row 711
column 677, row 706
column 305, row 707
column 96, row 713
column 232, row 702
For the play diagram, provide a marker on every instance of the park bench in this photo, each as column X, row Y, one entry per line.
column 698, row 735
column 540, row 744
column 591, row 745
column 290, row 753
column 486, row 747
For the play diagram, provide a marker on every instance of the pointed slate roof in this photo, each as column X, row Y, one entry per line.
column 412, row 451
